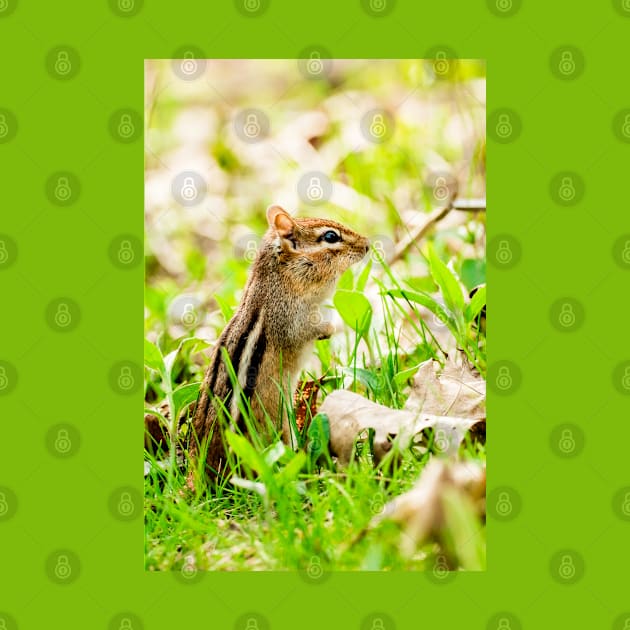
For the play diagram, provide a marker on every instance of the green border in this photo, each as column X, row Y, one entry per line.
column 571, row 122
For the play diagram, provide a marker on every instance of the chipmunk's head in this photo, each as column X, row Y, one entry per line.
column 315, row 251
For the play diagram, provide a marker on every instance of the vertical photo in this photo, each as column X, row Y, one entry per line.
column 315, row 315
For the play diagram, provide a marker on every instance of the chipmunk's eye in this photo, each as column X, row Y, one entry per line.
column 330, row 237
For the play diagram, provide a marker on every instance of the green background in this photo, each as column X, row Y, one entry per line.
column 569, row 376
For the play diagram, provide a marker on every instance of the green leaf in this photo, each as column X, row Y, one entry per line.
column 226, row 310
column 473, row 272
column 153, row 357
column 448, row 284
column 346, row 281
column 318, row 437
column 366, row 377
column 355, row 310
column 184, row 395
column 244, row 450
column 274, row 453
column 428, row 302
column 365, row 274
column 477, row 302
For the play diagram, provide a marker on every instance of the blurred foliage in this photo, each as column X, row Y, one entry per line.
column 197, row 256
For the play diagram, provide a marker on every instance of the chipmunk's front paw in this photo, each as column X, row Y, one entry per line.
column 325, row 331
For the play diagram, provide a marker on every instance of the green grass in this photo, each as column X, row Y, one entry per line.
column 295, row 509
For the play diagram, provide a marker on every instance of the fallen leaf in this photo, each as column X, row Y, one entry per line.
column 454, row 391
column 350, row 414
column 422, row 512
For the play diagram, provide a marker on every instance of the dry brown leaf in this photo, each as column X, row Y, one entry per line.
column 421, row 511
column 350, row 414
column 455, row 391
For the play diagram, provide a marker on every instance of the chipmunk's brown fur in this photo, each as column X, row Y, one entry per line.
column 295, row 270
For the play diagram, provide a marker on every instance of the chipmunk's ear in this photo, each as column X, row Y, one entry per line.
column 280, row 220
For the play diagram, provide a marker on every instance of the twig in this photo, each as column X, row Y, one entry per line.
column 434, row 217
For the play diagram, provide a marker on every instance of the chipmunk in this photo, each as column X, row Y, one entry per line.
column 296, row 269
